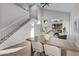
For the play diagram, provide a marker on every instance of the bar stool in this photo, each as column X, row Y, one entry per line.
column 52, row 50
column 37, row 48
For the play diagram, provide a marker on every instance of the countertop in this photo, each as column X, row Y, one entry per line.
column 63, row 44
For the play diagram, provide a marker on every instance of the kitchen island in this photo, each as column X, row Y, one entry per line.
column 67, row 46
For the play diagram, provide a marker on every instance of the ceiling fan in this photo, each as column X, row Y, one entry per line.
column 44, row 4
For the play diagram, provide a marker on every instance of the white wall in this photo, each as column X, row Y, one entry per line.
column 9, row 13
column 0, row 14
column 61, row 15
column 10, row 16
column 74, row 34
column 36, row 14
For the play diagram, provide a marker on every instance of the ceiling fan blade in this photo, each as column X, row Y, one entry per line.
column 44, row 4
column 47, row 4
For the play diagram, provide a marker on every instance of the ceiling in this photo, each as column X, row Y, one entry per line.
column 62, row 7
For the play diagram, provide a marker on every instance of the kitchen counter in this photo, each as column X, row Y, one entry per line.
column 68, row 48
column 64, row 44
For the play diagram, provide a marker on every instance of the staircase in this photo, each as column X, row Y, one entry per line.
column 5, row 33
column 11, row 33
column 8, row 38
